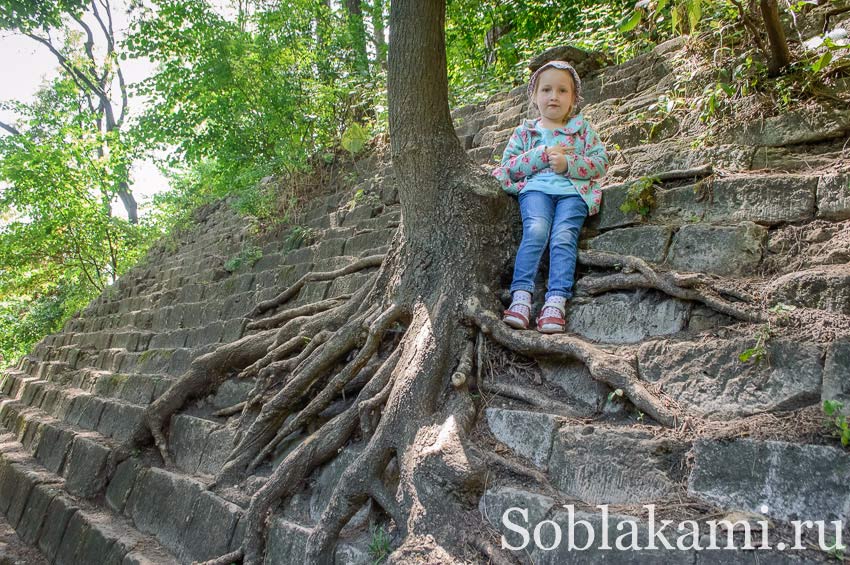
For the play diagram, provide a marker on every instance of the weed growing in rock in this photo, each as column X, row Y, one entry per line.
column 379, row 545
column 299, row 236
column 247, row 257
column 640, row 197
column 837, row 422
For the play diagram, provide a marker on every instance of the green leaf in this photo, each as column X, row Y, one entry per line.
column 822, row 62
column 747, row 354
column 694, row 13
column 354, row 139
column 630, row 22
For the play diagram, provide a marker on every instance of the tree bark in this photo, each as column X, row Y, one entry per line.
column 780, row 55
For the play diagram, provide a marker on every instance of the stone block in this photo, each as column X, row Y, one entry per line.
column 613, row 466
column 187, row 440
column 68, row 550
column 85, row 471
column 676, row 154
column 120, row 420
column 722, row 250
column 794, row 128
column 30, row 525
column 587, row 395
column 60, row 512
column 836, row 374
column 161, row 505
column 610, row 216
column 232, row 392
column 647, row 242
column 210, row 528
column 216, row 451
column 363, row 242
column 794, row 482
column 287, row 542
column 53, row 447
column 762, row 199
column 528, row 434
column 496, row 501
column 823, row 288
column 121, row 485
column 98, row 545
column 834, row 197
column 626, row 317
column 708, row 378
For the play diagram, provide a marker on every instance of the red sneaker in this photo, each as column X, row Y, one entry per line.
column 517, row 315
column 551, row 319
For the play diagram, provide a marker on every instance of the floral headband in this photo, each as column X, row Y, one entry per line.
column 563, row 65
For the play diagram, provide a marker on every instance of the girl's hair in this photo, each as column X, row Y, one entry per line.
column 564, row 66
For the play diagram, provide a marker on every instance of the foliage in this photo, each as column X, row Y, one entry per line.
column 59, row 240
column 490, row 42
column 236, row 103
column 640, row 197
column 245, row 258
column 379, row 545
column 299, row 236
column 838, row 422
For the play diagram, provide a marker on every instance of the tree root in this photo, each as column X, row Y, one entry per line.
column 491, row 458
column 493, row 553
column 603, row 366
column 292, row 291
column 529, row 396
column 307, row 310
column 336, row 385
column 673, row 284
column 316, row 450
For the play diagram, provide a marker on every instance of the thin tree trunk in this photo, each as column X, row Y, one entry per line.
column 357, row 34
column 378, row 39
column 780, row 55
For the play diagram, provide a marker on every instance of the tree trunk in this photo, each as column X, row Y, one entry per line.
column 357, row 35
column 780, row 55
column 378, row 28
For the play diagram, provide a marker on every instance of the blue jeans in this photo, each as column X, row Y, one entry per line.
column 555, row 220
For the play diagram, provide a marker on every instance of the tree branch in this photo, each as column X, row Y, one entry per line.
column 10, row 128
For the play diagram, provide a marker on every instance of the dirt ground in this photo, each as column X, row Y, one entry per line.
column 13, row 551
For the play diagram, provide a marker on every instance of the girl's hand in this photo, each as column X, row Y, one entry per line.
column 557, row 157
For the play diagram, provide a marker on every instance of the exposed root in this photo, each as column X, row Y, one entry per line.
column 368, row 408
column 492, row 458
column 275, row 411
column 336, row 385
column 494, row 554
column 530, row 396
column 204, row 375
column 226, row 559
column 603, row 366
column 678, row 174
column 230, row 410
column 305, row 310
column 292, row 291
column 460, row 377
column 316, row 450
column 673, row 284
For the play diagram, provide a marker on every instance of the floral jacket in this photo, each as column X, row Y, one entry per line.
column 525, row 155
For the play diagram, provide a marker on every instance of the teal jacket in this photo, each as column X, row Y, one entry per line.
column 525, row 156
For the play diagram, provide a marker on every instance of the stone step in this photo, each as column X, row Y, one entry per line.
column 66, row 529
column 177, row 510
column 543, row 529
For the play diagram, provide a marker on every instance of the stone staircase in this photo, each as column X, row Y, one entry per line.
column 777, row 198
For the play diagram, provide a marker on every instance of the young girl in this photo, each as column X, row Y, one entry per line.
column 553, row 163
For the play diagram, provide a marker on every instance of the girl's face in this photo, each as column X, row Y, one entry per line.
column 555, row 96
